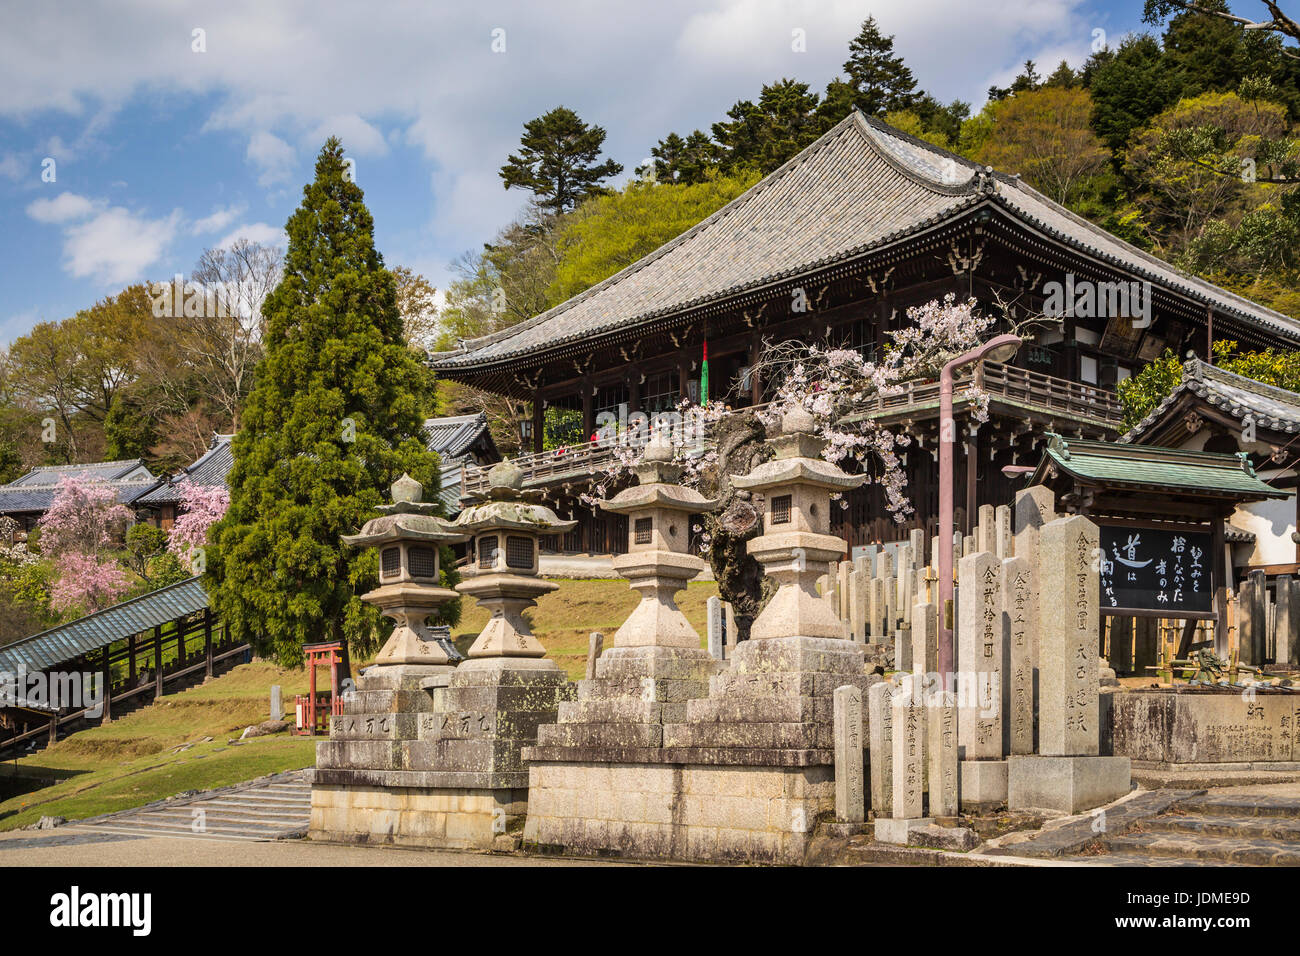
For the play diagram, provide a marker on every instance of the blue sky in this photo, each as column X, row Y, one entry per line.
column 160, row 150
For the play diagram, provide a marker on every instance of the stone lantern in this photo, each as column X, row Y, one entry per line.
column 407, row 536
column 506, row 529
column 796, row 542
column 658, row 563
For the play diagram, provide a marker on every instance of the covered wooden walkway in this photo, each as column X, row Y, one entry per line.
column 127, row 653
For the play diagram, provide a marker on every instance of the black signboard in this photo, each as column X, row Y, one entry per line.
column 1143, row 569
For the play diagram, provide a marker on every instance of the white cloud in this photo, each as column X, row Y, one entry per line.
column 11, row 167
column 116, row 246
column 256, row 232
column 220, row 219
column 359, row 138
column 273, row 156
column 110, row 244
column 64, row 207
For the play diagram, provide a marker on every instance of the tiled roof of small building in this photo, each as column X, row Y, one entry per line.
column 44, row 475
column 452, row 437
column 1173, row 470
column 29, row 500
column 1268, row 406
column 860, row 186
column 211, row 468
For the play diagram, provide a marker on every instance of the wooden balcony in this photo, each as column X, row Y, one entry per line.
column 1012, row 391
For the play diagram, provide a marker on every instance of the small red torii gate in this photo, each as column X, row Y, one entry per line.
column 315, row 708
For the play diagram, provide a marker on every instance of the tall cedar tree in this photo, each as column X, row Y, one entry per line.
column 881, row 80
column 557, row 161
column 336, row 368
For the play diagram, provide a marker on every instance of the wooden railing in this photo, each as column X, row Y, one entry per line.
column 1045, row 393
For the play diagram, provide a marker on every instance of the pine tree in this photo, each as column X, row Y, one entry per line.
column 762, row 136
column 334, row 417
column 557, row 161
column 882, row 80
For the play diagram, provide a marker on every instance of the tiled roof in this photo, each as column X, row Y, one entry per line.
column 452, row 437
column 860, row 186
column 1171, row 469
column 1268, row 406
column 210, row 469
column 62, row 644
column 28, row 500
column 50, row 474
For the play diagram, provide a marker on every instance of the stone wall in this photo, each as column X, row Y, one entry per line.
column 1166, row 727
column 415, row 816
column 679, row 811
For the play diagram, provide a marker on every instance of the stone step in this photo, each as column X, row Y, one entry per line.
column 142, row 831
column 1265, row 827
column 1207, row 848
column 268, row 798
column 1243, row 805
column 271, row 817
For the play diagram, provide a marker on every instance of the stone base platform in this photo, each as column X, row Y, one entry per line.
column 668, row 807
column 1066, row 784
column 465, row 817
column 982, row 784
column 897, row 830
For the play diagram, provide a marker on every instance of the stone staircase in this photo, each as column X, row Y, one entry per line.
column 1204, row 829
column 270, row 808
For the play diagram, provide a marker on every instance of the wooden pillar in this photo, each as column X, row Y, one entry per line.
column 972, row 477
column 130, row 654
column 157, row 662
column 755, row 377
column 54, row 727
column 1220, row 570
column 539, row 420
column 108, row 684
column 207, row 637
column 634, row 391
column 683, row 377
column 588, row 410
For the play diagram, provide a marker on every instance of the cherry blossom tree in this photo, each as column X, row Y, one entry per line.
column 77, row 534
column 203, row 506
column 712, row 443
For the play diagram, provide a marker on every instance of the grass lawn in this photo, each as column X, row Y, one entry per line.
column 137, row 758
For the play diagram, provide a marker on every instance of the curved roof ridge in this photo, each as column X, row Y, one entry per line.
column 878, row 133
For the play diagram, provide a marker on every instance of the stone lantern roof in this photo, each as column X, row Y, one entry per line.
column 798, row 459
column 657, row 475
column 509, row 507
column 408, row 518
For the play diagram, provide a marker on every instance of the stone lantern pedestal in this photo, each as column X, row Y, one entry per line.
column 655, row 663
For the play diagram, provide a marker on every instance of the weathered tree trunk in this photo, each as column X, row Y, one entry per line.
column 740, row 443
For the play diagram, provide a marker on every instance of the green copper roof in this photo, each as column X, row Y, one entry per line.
column 1171, row 469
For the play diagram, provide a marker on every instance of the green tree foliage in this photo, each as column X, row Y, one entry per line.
column 880, row 80
column 1177, row 191
column 611, row 232
column 1129, row 87
column 557, row 160
column 334, row 418
column 684, row 161
column 765, row 134
column 1044, row 135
